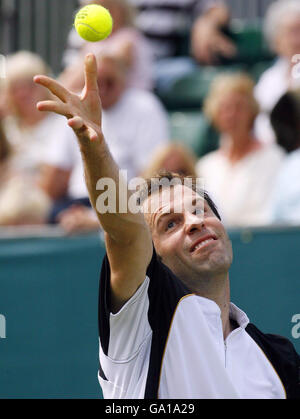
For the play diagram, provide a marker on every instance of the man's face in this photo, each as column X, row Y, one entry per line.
column 192, row 241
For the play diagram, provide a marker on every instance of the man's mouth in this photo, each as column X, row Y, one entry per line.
column 203, row 241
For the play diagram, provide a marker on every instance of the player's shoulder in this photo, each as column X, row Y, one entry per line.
column 272, row 150
column 277, row 342
column 283, row 356
column 292, row 161
column 279, row 349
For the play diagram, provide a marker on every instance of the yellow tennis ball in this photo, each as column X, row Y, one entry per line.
column 93, row 23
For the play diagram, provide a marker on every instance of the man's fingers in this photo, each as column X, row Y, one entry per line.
column 82, row 130
column 204, row 54
column 56, row 88
column 225, row 46
column 53, row 106
column 90, row 72
column 77, row 123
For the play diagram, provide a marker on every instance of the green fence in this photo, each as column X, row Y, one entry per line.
column 49, row 297
column 41, row 26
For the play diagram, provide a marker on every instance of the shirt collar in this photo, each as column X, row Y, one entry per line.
column 209, row 307
column 238, row 315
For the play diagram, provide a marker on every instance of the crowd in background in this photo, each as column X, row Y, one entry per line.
column 254, row 172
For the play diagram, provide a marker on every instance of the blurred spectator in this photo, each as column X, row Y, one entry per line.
column 240, row 174
column 282, row 30
column 5, row 153
column 173, row 157
column 167, row 22
column 28, row 131
column 78, row 219
column 183, row 33
column 285, row 119
column 125, row 42
column 26, row 128
column 131, row 144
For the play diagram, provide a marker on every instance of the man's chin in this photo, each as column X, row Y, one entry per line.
column 211, row 269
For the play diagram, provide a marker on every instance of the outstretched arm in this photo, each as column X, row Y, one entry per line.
column 207, row 40
column 128, row 239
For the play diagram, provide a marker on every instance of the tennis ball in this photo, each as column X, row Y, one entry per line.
column 93, row 23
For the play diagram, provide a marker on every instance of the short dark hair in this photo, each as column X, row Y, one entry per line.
column 154, row 184
column 5, row 149
column 285, row 120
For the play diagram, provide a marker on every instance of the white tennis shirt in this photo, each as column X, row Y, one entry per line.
column 167, row 343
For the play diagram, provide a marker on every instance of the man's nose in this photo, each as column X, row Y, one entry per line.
column 193, row 222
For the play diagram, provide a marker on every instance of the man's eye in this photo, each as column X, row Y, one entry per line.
column 170, row 224
column 199, row 211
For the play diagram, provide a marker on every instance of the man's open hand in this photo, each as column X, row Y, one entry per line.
column 208, row 43
column 82, row 111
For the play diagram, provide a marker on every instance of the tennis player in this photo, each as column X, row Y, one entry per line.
column 167, row 326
